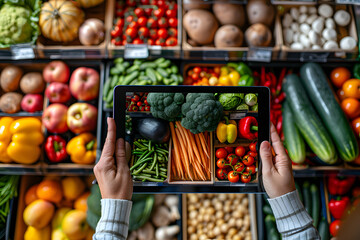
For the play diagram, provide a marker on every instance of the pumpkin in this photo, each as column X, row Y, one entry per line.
column 89, row 3
column 60, row 20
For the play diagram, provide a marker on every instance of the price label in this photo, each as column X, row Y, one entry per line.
column 22, row 51
column 355, row 2
column 237, row 115
column 70, row 54
column 155, row 50
column 259, row 54
column 133, row 51
column 314, row 57
column 222, row 55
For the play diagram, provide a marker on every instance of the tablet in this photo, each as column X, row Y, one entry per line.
column 206, row 137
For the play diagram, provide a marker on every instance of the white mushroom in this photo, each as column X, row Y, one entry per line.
column 167, row 233
column 287, row 20
column 325, row 10
column 347, row 43
column 305, row 28
column 312, row 10
column 302, row 18
column 172, row 202
column 288, row 35
column 323, row 41
column 161, row 216
column 318, row 25
column 303, row 9
column 311, row 19
column 159, row 199
column 296, row 37
column 295, row 27
column 304, row 40
column 342, row 18
column 329, row 34
column 294, row 12
column 146, row 232
column 330, row 45
column 297, row 46
column 329, row 23
column 314, row 37
column 315, row 47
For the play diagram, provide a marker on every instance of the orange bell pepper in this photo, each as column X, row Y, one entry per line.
column 82, row 149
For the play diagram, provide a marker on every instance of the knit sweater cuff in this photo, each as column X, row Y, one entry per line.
column 289, row 212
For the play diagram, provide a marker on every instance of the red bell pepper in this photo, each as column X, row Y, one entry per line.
column 334, row 228
column 55, row 148
column 248, row 127
column 340, row 185
column 338, row 207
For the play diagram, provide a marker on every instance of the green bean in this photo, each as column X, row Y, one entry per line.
column 139, row 162
column 154, row 162
column 157, row 169
column 140, row 169
column 150, row 179
column 163, row 169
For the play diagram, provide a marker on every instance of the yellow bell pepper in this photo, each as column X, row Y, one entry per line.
column 82, row 149
column 234, row 78
column 28, row 124
column 4, row 157
column 224, row 71
column 23, row 153
column 225, row 81
column 226, row 131
column 30, row 138
column 5, row 135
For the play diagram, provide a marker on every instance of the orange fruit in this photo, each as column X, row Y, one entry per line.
column 50, row 190
column 352, row 88
column 30, row 194
column 81, row 202
column 72, row 187
column 341, row 94
column 339, row 75
column 351, row 107
column 356, row 126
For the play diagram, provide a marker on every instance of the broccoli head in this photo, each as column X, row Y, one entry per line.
column 166, row 106
column 202, row 112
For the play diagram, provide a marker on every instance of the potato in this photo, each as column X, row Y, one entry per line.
column 200, row 25
column 228, row 36
column 258, row 35
column 228, row 13
column 10, row 102
column 32, row 82
column 195, row 4
column 260, row 11
column 10, row 78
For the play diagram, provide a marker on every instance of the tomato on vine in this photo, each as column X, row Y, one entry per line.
column 221, row 174
column 253, row 154
column 233, row 177
column 252, row 146
column 248, row 160
column 240, row 151
column 245, row 177
column 251, row 169
column 159, row 12
column 221, row 163
column 232, row 159
column 228, row 149
column 139, row 12
column 239, row 167
column 221, row 153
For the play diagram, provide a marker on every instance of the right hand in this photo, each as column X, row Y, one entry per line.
column 277, row 171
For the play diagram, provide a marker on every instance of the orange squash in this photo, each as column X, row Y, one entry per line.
column 89, row 3
column 60, row 20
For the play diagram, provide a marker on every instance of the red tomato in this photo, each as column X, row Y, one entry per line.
column 131, row 32
column 153, row 34
column 228, row 149
column 139, row 12
column 120, row 13
column 245, row 177
column 143, row 32
column 252, row 147
column 116, row 41
column 171, row 13
column 171, row 41
column 130, row 3
column 197, row 69
column 116, row 32
column 124, row 42
column 248, row 160
column 221, row 163
column 221, row 174
column 162, row 32
column 195, row 77
column 159, row 12
column 147, row 108
column 151, row 41
column 334, row 227
column 144, row 2
column 233, row 177
column 173, row 22
column 239, row 167
column 129, row 18
column 151, row 23
column 142, row 21
column 221, row 153
column 253, row 154
column 133, row 24
column 172, row 32
column 160, row 42
column 161, row 4
column 120, row 23
column 232, row 159
column 251, row 169
column 138, row 41
column 162, row 23
column 139, row 104
column 240, row 151
column 148, row 11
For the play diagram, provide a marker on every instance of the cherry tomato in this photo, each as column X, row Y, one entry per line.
column 351, row 107
column 120, row 13
column 172, row 32
column 162, row 23
column 240, row 151
column 239, row 167
column 131, row 32
column 147, row 108
column 252, row 146
column 139, row 104
column 133, row 24
column 153, row 34
column 162, row 33
column 233, row 177
column 339, row 75
column 334, row 227
column 221, row 153
column 143, row 32
column 171, row 13
column 116, row 41
column 228, row 149
column 173, row 22
column 171, row 41
column 248, row 160
column 124, row 42
column 251, row 169
column 120, row 23
column 221, row 174
column 253, row 154
column 160, row 42
column 146, row 102
column 144, row 2
column 129, row 18
column 131, row 3
column 161, row 4
column 197, row 69
column 245, row 177
column 221, row 163
column 135, row 98
column 159, row 12
column 150, row 41
column 142, row 21
column 116, row 32
column 138, row 41
column 139, row 12
column 148, row 11
column 151, row 23
column 232, row 159
column 195, row 76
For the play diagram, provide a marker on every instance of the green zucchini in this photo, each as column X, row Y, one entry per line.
column 271, row 230
column 315, row 198
column 329, row 110
column 307, row 120
column 307, row 197
column 324, row 229
column 295, row 144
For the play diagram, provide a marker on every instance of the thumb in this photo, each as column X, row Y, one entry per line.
column 266, row 156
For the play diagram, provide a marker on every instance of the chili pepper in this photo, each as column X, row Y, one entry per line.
column 279, row 124
column 340, row 185
column 337, row 207
column 82, row 148
column 273, row 79
column 272, row 117
column 276, row 107
column 256, row 74
column 55, row 148
column 279, row 99
column 267, row 84
column 226, row 131
column 262, row 77
column 248, row 127
column 356, row 71
column 280, row 81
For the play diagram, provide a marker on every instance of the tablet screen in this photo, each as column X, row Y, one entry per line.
column 188, row 135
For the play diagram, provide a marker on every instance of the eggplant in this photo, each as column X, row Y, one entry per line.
column 154, row 129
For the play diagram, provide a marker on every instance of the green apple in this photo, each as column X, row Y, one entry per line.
column 74, row 224
column 58, row 217
column 58, row 234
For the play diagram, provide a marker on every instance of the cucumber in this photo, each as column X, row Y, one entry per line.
column 295, row 144
column 307, row 120
column 315, row 198
column 271, row 229
column 298, row 188
column 324, row 229
column 106, row 88
column 315, row 82
column 307, row 197
column 267, row 210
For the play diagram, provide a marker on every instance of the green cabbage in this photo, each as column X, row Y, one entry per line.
column 230, row 101
column 250, row 99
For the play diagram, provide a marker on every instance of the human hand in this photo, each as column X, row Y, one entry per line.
column 113, row 176
column 277, row 171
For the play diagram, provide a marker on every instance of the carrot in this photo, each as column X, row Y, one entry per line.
column 176, row 148
column 204, row 160
column 203, row 144
column 185, row 159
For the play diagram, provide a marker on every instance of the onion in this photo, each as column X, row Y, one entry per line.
column 92, row 32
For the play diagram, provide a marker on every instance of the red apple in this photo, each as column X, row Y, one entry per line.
column 84, row 84
column 54, row 118
column 82, row 117
column 56, row 71
column 32, row 103
column 58, row 92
